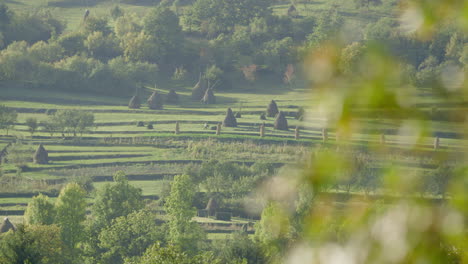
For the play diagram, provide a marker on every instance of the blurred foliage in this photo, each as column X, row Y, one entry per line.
column 390, row 223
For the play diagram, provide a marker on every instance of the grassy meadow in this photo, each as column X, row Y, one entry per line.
column 152, row 156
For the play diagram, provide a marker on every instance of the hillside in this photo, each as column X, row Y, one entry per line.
column 231, row 131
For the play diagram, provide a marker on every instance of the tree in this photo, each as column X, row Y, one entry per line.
column 7, row 118
column 240, row 247
column 273, row 231
column 32, row 244
column 129, row 236
column 440, row 180
column 96, row 24
column 223, row 15
column 163, row 26
column 32, row 125
column 172, row 254
column 128, row 23
column 50, row 127
column 115, row 200
column 32, row 26
column 71, row 212
column 40, row 211
column 72, row 43
column 19, row 155
column 183, row 232
column 213, row 74
column 350, row 57
column 328, row 26
column 140, row 47
column 46, row 52
column 73, row 121
column 102, row 47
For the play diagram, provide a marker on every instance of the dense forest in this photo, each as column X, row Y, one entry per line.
column 225, row 40
column 274, row 131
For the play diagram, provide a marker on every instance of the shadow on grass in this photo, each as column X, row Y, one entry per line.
column 75, row 3
column 13, row 2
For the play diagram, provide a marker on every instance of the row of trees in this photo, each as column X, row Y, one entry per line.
column 119, row 230
column 73, row 122
column 241, row 37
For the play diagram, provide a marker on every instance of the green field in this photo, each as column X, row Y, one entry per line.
column 150, row 157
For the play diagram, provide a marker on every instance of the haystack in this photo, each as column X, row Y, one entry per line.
column 272, row 109
column 212, row 206
column 7, row 226
column 281, row 123
column 238, row 115
column 292, row 11
column 134, row 102
column 155, row 101
column 230, row 119
column 262, row 130
column 209, row 97
column 199, row 89
column 262, row 116
column 296, row 133
column 41, row 156
column 172, row 97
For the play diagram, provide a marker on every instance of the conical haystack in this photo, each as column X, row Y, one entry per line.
column 41, row 156
column 212, row 206
column 155, row 101
column 134, row 102
column 262, row 116
column 296, row 133
column 272, row 109
column 7, row 226
column 292, row 11
column 209, row 97
column 172, row 97
column 177, row 128
column 281, row 123
column 230, row 119
column 199, row 89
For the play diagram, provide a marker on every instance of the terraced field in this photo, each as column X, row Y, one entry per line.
column 152, row 157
